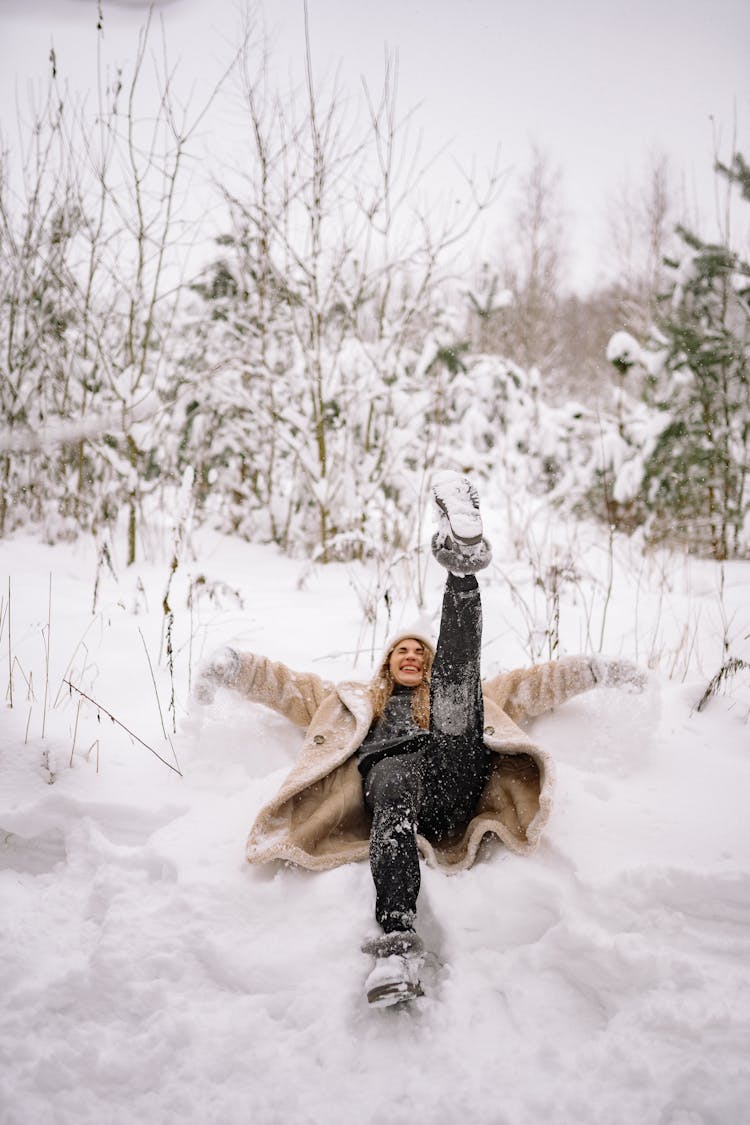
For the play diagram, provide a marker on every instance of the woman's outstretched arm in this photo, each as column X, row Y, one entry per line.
column 527, row 692
column 296, row 695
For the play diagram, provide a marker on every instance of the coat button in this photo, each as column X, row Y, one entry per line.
column 489, row 730
column 319, row 739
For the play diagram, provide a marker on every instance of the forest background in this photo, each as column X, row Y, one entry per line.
column 346, row 332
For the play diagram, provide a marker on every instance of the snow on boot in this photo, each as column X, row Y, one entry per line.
column 395, row 977
column 459, row 544
column 394, row 980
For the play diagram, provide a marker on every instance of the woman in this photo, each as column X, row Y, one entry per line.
column 425, row 758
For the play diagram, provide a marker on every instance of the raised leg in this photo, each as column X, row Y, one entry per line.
column 456, row 706
column 457, row 760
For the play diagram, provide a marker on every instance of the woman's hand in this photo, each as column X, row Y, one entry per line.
column 220, row 671
column 618, row 674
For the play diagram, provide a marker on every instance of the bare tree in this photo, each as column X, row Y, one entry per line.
column 327, row 312
column 642, row 221
column 531, row 267
column 91, row 276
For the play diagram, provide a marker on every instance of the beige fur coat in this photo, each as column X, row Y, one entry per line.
column 318, row 818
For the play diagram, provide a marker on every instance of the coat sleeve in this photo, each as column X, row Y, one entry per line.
column 296, row 695
column 532, row 691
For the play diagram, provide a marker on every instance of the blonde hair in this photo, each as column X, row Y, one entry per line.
column 382, row 685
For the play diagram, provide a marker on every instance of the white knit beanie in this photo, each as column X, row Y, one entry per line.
column 406, row 634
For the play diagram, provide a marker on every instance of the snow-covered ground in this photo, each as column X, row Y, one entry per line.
column 148, row 974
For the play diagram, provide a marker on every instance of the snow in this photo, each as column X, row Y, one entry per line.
column 625, row 348
column 149, row 974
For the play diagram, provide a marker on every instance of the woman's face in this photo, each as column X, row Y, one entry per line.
column 406, row 663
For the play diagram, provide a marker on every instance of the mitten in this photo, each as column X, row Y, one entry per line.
column 618, row 674
column 220, row 671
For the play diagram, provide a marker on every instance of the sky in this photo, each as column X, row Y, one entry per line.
column 597, row 86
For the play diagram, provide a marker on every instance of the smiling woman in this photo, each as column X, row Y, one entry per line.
column 426, row 758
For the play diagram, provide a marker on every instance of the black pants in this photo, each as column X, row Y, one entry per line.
column 434, row 789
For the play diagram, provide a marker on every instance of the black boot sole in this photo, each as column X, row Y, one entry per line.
column 398, row 992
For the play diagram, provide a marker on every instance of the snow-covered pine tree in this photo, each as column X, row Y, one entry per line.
column 696, row 478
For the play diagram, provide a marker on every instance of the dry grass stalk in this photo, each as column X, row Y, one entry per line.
column 728, row 669
column 103, row 710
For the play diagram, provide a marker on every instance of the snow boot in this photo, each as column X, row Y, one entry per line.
column 395, row 977
column 459, row 544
